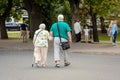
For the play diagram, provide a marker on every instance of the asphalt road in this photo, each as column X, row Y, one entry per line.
column 16, row 65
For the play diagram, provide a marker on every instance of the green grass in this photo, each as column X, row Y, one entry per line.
column 13, row 34
column 102, row 37
column 105, row 37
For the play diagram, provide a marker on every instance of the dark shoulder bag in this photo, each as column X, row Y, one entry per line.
column 64, row 45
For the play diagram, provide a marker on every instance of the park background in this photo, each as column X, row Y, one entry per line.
column 96, row 14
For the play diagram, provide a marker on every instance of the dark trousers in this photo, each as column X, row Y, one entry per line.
column 114, row 37
column 78, row 37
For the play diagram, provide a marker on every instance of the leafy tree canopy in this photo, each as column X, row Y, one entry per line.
column 103, row 7
column 3, row 5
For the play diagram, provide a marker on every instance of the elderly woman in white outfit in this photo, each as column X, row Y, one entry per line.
column 40, row 42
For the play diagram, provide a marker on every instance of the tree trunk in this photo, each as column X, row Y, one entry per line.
column 94, row 25
column 34, row 12
column 74, row 17
column 6, row 13
column 3, row 31
column 95, row 32
column 35, row 20
column 74, row 4
column 103, row 29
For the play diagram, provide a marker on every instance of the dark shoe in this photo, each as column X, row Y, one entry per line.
column 37, row 65
column 67, row 64
column 43, row 65
column 57, row 65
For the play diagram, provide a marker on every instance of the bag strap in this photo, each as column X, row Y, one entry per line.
column 37, row 35
column 59, row 32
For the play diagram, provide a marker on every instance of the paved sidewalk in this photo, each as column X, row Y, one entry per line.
column 84, row 48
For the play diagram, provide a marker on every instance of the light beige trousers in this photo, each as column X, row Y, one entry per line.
column 40, row 54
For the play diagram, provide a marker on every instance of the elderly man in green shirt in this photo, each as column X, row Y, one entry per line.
column 65, row 34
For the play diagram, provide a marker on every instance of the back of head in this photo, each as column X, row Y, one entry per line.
column 77, row 20
column 115, row 21
column 42, row 26
column 60, row 17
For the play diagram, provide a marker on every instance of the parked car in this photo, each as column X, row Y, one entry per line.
column 12, row 24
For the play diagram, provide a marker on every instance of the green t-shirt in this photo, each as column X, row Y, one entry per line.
column 63, row 27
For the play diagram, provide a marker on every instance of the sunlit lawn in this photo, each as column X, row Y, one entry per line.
column 14, row 34
column 102, row 37
column 105, row 37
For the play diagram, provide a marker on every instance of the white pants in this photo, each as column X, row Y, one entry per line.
column 58, row 49
column 40, row 54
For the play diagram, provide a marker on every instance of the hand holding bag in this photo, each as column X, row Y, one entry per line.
column 64, row 45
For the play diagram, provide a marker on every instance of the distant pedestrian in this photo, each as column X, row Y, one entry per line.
column 24, row 31
column 109, row 31
column 40, row 42
column 86, row 33
column 78, row 30
column 114, row 32
column 65, row 34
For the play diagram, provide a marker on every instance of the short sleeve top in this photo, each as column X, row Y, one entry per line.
column 64, row 28
column 41, row 38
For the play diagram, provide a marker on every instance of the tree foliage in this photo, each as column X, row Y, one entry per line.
column 46, row 11
column 99, row 8
column 5, row 8
column 103, row 7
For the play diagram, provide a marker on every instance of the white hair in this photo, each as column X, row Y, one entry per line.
column 42, row 26
column 60, row 17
